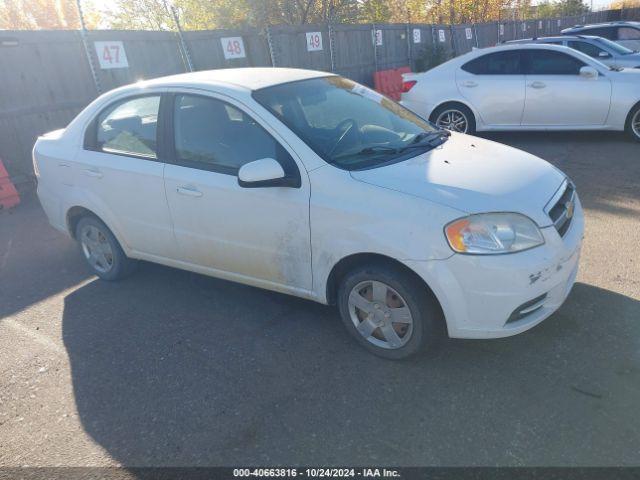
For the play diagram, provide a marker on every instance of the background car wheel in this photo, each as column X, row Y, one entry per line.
column 102, row 251
column 633, row 123
column 388, row 311
column 455, row 117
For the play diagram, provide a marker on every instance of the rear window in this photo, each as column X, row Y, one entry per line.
column 500, row 63
column 605, row 32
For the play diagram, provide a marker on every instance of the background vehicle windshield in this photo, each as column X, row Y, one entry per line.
column 616, row 47
column 344, row 122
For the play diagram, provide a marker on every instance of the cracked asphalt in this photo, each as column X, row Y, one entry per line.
column 173, row 368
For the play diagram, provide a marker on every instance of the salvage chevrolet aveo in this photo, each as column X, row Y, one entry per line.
column 310, row 184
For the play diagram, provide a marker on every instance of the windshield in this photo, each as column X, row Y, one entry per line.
column 347, row 124
column 616, row 47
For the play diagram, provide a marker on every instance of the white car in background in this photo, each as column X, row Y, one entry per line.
column 602, row 49
column 309, row 184
column 526, row 87
column 624, row 32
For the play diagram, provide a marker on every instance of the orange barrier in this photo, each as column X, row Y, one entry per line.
column 389, row 82
column 8, row 194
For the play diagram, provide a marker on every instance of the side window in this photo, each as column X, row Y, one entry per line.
column 129, row 127
column 587, row 48
column 500, row 63
column 605, row 32
column 628, row 33
column 215, row 135
column 547, row 62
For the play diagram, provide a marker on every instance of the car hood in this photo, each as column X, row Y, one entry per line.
column 473, row 175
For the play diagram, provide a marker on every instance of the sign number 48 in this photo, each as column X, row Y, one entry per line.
column 233, row 47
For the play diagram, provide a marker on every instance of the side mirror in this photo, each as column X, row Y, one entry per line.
column 604, row 54
column 265, row 172
column 588, row 72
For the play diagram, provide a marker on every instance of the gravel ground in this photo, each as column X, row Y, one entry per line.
column 173, row 368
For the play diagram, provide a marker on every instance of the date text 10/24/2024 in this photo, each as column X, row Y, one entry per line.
column 316, row 472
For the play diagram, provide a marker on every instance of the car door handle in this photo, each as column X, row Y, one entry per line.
column 469, row 84
column 189, row 191
column 537, row 85
column 90, row 172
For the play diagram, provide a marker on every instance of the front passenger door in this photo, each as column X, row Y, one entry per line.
column 255, row 235
column 556, row 94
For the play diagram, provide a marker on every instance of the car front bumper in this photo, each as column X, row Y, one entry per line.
column 492, row 296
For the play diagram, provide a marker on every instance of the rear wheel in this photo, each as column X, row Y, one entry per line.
column 388, row 312
column 633, row 123
column 454, row 117
column 102, row 251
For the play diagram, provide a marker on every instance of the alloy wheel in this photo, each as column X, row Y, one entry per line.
column 453, row 120
column 635, row 124
column 380, row 314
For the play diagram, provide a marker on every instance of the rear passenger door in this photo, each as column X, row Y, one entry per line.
column 558, row 96
column 120, row 171
column 494, row 84
column 255, row 235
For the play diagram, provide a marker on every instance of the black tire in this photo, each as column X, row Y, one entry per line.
column 634, row 118
column 427, row 326
column 121, row 266
column 458, row 107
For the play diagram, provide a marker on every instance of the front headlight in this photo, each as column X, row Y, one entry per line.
column 492, row 233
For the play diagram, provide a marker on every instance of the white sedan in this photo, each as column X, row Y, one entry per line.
column 526, row 87
column 309, row 184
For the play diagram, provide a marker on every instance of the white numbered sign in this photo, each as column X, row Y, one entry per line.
column 314, row 41
column 441, row 36
column 468, row 34
column 378, row 37
column 233, row 47
column 540, row 24
column 524, row 27
column 501, row 30
column 111, row 55
column 416, row 35
column 559, row 22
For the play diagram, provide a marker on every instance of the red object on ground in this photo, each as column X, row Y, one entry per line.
column 389, row 82
column 8, row 194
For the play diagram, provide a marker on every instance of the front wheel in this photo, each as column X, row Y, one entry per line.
column 388, row 312
column 455, row 117
column 633, row 123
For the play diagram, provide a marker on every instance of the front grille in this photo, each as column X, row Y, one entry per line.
column 561, row 213
column 527, row 309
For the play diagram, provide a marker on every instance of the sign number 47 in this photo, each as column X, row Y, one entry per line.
column 111, row 55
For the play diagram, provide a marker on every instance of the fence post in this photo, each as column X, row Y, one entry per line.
column 475, row 34
column 87, row 51
column 453, row 40
column 374, row 38
column 331, row 47
column 409, row 41
column 183, row 44
column 272, row 54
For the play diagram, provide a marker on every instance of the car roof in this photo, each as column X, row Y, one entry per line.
column 604, row 24
column 251, row 78
column 558, row 38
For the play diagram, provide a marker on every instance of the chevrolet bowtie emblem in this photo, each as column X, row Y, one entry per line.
column 570, row 206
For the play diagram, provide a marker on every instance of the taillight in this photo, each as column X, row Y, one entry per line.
column 408, row 85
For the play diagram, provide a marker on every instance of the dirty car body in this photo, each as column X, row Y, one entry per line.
column 302, row 182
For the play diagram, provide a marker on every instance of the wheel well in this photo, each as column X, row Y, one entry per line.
column 628, row 120
column 73, row 217
column 351, row 262
column 450, row 103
